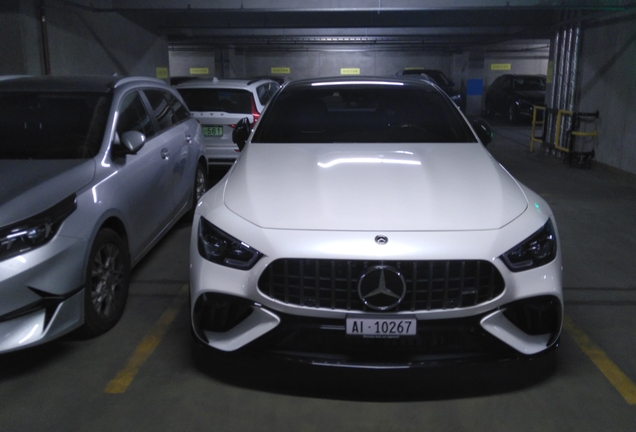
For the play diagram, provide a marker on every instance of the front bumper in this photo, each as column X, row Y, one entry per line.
column 521, row 329
column 519, row 316
column 41, row 294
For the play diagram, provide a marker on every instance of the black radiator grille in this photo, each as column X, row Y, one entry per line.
column 333, row 284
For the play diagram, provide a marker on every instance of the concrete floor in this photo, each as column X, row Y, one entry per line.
column 67, row 385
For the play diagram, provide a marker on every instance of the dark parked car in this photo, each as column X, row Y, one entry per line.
column 438, row 77
column 515, row 95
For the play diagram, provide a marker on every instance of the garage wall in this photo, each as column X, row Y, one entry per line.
column 607, row 84
column 80, row 41
column 521, row 57
column 19, row 39
column 322, row 63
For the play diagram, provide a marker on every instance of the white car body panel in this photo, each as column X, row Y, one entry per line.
column 329, row 201
column 300, row 187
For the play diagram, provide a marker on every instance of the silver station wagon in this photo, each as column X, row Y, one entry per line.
column 93, row 172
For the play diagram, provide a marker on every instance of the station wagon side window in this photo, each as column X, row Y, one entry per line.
column 167, row 108
column 134, row 116
column 161, row 109
column 180, row 110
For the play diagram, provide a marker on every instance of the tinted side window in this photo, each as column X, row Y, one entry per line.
column 160, row 108
column 180, row 111
column 134, row 116
column 266, row 91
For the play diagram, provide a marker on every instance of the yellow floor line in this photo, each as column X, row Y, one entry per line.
column 146, row 347
column 614, row 375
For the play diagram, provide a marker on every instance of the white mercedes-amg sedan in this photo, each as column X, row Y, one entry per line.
column 365, row 224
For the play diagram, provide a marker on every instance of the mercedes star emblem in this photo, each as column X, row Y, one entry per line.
column 381, row 287
column 381, row 240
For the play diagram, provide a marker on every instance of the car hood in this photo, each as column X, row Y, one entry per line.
column 32, row 186
column 373, row 187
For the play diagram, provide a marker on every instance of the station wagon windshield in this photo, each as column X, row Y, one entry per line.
column 52, row 125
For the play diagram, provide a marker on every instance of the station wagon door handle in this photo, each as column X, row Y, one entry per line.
column 165, row 153
column 188, row 138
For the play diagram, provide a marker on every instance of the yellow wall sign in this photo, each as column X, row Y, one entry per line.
column 199, row 71
column 280, row 70
column 500, row 66
column 350, row 71
column 162, row 73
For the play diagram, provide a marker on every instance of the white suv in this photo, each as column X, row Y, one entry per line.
column 219, row 104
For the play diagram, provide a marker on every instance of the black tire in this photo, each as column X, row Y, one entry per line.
column 199, row 189
column 200, row 183
column 490, row 109
column 513, row 115
column 107, row 283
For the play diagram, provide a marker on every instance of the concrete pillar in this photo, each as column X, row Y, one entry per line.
column 475, row 82
column 224, row 63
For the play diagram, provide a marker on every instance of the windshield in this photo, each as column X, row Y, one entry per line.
column 364, row 113
column 52, row 125
column 528, row 83
column 226, row 100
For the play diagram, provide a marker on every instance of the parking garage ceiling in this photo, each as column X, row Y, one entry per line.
column 433, row 25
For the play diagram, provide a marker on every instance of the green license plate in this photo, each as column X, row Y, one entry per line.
column 212, row 131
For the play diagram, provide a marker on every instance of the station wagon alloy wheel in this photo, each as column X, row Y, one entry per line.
column 108, row 278
column 107, row 282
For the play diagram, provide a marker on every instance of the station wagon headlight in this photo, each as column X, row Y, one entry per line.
column 221, row 248
column 537, row 250
column 21, row 237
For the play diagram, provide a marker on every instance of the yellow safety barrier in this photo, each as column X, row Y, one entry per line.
column 535, row 123
column 560, row 114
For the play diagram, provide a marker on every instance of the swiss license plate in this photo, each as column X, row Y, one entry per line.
column 382, row 326
column 212, row 131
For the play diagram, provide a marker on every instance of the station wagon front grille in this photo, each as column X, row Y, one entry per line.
column 333, row 284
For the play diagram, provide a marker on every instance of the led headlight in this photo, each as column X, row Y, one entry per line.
column 538, row 249
column 35, row 231
column 525, row 104
column 221, row 248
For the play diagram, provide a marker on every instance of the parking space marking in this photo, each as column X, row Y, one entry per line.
column 147, row 346
column 614, row 375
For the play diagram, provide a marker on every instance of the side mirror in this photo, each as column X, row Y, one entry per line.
column 241, row 132
column 483, row 130
column 133, row 141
